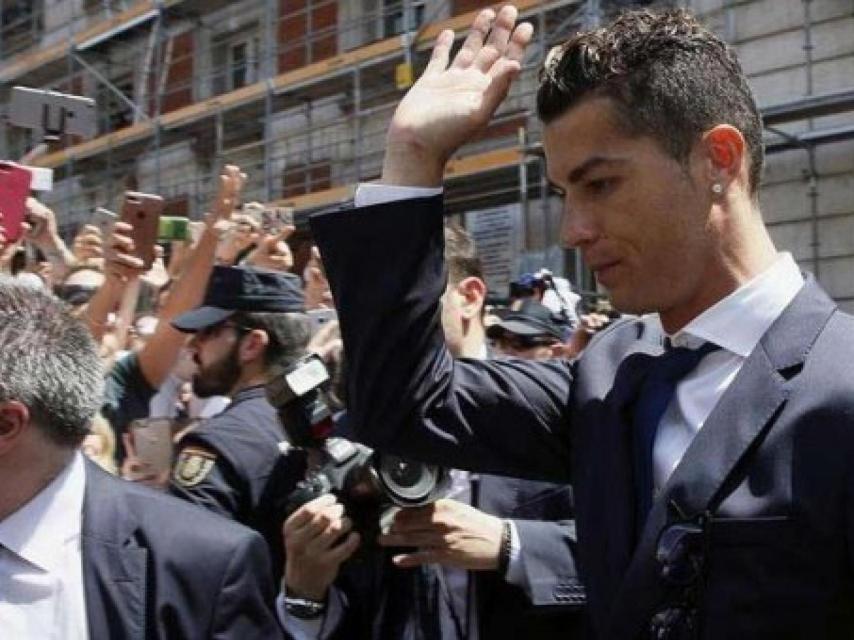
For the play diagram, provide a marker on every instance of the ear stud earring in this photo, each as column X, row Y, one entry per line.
column 717, row 188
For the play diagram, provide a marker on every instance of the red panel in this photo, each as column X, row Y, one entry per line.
column 301, row 179
column 178, row 90
column 464, row 6
column 293, row 32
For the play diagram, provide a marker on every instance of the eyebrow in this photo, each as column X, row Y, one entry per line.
column 577, row 174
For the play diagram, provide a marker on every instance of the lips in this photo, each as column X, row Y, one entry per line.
column 604, row 270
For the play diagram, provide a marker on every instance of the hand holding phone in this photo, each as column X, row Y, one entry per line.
column 142, row 212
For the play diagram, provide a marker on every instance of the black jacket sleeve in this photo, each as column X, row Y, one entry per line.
column 405, row 392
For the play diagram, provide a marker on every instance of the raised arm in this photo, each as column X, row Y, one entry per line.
column 386, row 268
column 158, row 356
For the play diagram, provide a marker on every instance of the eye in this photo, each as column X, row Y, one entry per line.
column 600, row 186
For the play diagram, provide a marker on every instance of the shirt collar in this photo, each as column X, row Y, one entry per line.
column 39, row 531
column 737, row 322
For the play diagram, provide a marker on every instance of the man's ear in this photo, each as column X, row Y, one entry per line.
column 473, row 293
column 725, row 151
column 14, row 420
column 253, row 344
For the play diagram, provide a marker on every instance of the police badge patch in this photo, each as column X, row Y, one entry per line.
column 193, row 466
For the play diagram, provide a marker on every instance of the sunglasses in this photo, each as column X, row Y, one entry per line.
column 215, row 329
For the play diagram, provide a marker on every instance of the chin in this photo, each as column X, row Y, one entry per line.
column 632, row 303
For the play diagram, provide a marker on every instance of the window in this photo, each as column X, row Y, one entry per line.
column 235, row 58
column 393, row 12
column 242, row 63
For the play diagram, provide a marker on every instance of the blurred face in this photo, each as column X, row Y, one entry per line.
column 215, row 354
column 639, row 217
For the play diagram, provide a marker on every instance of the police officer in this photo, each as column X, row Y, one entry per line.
column 249, row 321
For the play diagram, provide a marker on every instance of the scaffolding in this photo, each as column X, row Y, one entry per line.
column 298, row 92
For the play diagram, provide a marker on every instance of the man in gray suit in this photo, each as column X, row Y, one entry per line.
column 709, row 439
column 84, row 554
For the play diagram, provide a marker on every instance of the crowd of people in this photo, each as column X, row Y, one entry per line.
column 680, row 472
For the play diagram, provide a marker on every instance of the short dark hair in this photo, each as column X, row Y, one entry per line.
column 669, row 77
column 48, row 362
column 461, row 254
column 288, row 333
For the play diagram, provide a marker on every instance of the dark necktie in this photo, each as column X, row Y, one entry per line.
column 656, row 391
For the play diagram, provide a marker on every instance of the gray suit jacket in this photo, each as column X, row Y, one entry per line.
column 773, row 459
column 157, row 568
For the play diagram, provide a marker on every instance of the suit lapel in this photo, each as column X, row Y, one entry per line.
column 114, row 568
column 737, row 424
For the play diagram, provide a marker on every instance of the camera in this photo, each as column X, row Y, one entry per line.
column 370, row 485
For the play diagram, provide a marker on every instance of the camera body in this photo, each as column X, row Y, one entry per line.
column 370, row 485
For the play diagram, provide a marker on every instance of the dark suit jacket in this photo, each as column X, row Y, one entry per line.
column 773, row 458
column 541, row 512
column 155, row 567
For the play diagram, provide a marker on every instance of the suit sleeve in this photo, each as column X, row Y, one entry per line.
column 548, row 552
column 406, row 394
column 245, row 607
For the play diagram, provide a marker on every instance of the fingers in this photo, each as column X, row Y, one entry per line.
column 519, row 41
column 414, row 518
column 418, row 558
column 441, row 52
column 319, row 527
column 285, row 232
column 475, row 39
column 302, row 515
column 346, row 549
column 499, row 37
column 422, row 539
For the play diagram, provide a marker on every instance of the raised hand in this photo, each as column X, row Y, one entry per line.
column 452, row 102
column 317, row 293
column 273, row 251
column 231, row 182
column 121, row 263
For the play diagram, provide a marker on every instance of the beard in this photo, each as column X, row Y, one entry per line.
column 219, row 377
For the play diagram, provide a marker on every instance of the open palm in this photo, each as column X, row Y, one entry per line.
column 451, row 102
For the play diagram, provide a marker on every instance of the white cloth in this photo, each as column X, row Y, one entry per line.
column 371, row 193
column 41, row 571
column 736, row 324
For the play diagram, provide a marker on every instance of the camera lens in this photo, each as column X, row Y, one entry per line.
column 407, row 483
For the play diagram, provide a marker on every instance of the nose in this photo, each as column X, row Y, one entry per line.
column 577, row 227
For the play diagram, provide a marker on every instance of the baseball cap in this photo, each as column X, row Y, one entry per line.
column 530, row 320
column 242, row 288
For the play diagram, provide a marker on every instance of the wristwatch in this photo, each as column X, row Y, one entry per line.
column 304, row 609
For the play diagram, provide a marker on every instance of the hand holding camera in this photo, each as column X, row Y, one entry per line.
column 369, row 486
column 446, row 532
column 318, row 540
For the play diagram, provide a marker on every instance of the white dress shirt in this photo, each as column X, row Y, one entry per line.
column 41, row 571
column 736, row 324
